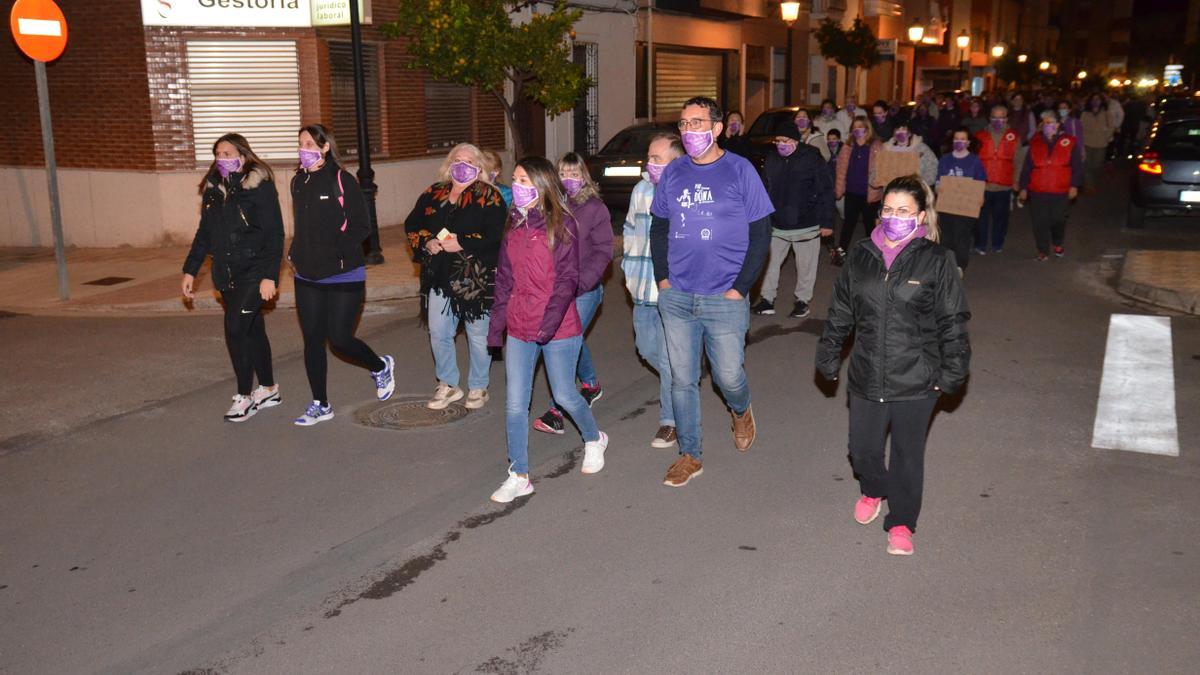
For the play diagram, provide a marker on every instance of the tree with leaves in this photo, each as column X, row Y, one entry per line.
column 851, row 49
column 481, row 43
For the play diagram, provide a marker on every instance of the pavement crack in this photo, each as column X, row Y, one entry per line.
column 527, row 656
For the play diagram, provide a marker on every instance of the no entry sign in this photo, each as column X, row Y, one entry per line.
column 39, row 29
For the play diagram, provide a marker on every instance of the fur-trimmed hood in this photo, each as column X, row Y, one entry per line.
column 250, row 180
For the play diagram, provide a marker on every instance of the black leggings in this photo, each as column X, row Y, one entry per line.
column 329, row 312
column 246, row 336
column 902, row 478
column 958, row 235
column 857, row 208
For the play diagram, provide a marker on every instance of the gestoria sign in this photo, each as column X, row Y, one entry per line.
column 250, row 13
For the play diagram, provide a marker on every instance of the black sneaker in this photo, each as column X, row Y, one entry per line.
column 838, row 257
column 591, row 394
column 799, row 311
column 550, row 423
column 764, row 308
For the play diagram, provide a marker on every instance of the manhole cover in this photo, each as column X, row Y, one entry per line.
column 409, row 413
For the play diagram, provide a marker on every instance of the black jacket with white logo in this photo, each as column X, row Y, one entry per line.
column 329, row 236
column 242, row 227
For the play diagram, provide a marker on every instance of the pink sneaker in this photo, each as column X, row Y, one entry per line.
column 900, row 541
column 866, row 509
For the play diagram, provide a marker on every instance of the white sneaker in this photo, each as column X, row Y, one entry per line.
column 266, row 398
column 315, row 413
column 514, row 486
column 385, row 382
column 444, row 396
column 476, row 399
column 241, row 410
column 593, row 454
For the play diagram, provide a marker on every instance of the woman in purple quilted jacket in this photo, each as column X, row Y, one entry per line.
column 536, row 280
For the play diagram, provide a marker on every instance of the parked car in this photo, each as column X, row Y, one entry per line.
column 619, row 164
column 1167, row 179
column 1178, row 106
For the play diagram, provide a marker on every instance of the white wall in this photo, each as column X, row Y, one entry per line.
column 613, row 33
column 130, row 208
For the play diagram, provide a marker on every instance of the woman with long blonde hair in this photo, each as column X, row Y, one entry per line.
column 901, row 294
column 534, row 315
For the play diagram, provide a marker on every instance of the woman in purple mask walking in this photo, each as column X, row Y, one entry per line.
column 331, row 222
column 901, row 295
column 242, row 228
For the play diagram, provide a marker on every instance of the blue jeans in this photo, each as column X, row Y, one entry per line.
column 996, row 208
column 443, row 326
column 520, row 361
column 651, row 343
column 586, row 305
column 717, row 326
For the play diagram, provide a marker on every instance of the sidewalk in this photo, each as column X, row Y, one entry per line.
column 1168, row 279
column 146, row 280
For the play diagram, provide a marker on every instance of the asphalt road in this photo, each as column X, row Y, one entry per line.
column 141, row 534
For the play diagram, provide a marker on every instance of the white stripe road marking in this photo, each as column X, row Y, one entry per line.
column 47, row 27
column 1136, row 410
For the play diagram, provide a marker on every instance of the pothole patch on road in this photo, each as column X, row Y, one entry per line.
column 409, row 413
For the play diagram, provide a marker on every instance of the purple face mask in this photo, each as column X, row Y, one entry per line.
column 896, row 228
column 827, row 112
column 961, row 146
column 1049, row 130
column 998, row 123
column 881, row 117
column 785, row 149
column 524, row 195
column 494, row 175
column 309, row 158
column 572, row 186
column 463, row 173
column 655, row 171
column 850, row 107
column 228, row 166
column 834, row 145
column 802, row 123
column 697, row 142
column 859, row 132
column 901, row 137
column 735, row 128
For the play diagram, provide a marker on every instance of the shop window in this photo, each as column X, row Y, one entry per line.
column 345, row 118
column 447, row 114
column 248, row 87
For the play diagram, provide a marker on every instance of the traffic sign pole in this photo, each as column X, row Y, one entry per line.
column 60, row 255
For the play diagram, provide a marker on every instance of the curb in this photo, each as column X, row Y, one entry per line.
column 1146, row 288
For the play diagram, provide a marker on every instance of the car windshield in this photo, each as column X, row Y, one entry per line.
column 631, row 142
column 1179, row 136
column 769, row 123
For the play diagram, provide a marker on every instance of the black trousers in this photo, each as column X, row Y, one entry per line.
column 329, row 313
column 857, row 209
column 246, row 336
column 1049, row 215
column 901, row 480
column 958, row 235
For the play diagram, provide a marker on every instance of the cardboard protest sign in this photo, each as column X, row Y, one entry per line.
column 960, row 195
column 890, row 165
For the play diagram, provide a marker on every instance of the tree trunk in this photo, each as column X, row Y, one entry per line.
column 851, row 82
column 510, row 120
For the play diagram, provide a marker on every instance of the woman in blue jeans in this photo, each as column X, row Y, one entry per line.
column 536, row 279
column 595, row 249
column 455, row 230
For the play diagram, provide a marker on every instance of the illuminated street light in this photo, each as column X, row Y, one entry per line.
column 789, row 11
column 1127, row 82
column 998, row 49
column 1114, row 82
column 916, row 32
column 963, row 40
column 1081, row 75
column 1044, row 65
column 1022, row 58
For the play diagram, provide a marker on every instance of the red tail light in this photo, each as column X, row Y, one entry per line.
column 1150, row 164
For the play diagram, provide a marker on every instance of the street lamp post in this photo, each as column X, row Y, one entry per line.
column 963, row 41
column 789, row 12
column 916, row 33
column 366, row 175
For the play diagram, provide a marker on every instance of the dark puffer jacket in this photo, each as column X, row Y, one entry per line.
column 242, row 227
column 909, row 323
column 801, row 189
column 329, row 236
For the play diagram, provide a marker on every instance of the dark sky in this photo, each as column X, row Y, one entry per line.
column 1140, row 6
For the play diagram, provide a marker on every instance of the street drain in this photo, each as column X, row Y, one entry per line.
column 409, row 413
column 107, row 281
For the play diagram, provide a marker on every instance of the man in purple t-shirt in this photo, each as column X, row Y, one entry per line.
column 709, row 237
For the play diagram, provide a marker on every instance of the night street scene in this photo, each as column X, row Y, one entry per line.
column 600, row 336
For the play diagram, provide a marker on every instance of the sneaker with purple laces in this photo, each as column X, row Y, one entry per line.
column 900, row 541
column 866, row 509
column 385, row 383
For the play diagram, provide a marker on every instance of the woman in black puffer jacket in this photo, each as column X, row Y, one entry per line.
column 242, row 228
column 901, row 294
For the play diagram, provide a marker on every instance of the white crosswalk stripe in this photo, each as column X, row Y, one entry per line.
column 1136, row 409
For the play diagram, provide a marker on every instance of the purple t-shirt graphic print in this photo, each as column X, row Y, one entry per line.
column 710, row 207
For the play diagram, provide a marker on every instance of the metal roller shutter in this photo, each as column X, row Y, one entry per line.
column 345, row 115
column 248, row 87
column 679, row 76
column 447, row 114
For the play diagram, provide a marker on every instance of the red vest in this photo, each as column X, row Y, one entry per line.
column 1051, row 170
column 998, row 158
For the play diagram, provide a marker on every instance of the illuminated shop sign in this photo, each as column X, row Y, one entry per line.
column 251, row 13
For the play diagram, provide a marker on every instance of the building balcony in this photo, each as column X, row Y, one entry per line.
column 828, row 9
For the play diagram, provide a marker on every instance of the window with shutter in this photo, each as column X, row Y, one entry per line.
column 247, row 87
column 345, row 117
column 679, row 76
column 447, row 114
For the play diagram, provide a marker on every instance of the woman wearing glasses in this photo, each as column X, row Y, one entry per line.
column 901, row 294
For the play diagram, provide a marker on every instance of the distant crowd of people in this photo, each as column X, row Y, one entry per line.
column 518, row 262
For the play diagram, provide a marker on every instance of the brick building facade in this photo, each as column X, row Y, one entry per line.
column 124, row 125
